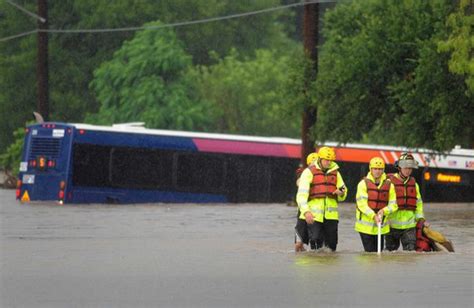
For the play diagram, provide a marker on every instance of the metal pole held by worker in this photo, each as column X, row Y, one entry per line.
column 379, row 236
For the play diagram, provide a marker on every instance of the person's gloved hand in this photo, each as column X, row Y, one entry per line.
column 378, row 217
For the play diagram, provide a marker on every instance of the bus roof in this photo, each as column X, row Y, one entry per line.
column 352, row 152
column 138, row 129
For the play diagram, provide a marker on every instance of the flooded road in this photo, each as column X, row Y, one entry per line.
column 188, row 255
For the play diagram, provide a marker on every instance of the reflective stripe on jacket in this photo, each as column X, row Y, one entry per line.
column 403, row 218
column 323, row 207
column 365, row 222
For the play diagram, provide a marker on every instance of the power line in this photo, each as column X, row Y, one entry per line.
column 4, row 39
column 186, row 23
column 177, row 24
column 26, row 11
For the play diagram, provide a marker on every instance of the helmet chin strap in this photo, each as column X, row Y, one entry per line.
column 402, row 176
column 321, row 165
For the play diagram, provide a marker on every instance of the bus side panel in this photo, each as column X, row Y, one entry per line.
column 135, row 140
column 121, row 196
column 119, row 174
column 436, row 188
column 124, row 174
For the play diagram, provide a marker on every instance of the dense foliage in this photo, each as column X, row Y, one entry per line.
column 461, row 43
column 73, row 57
column 249, row 96
column 381, row 78
column 10, row 160
column 390, row 72
column 145, row 81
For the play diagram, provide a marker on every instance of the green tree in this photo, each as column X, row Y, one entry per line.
column 146, row 81
column 461, row 43
column 17, row 73
column 10, row 160
column 250, row 96
column 73, row 57
column 246, row 34
column 381, row 79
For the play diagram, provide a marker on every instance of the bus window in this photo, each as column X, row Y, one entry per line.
column 200, row 172
column 249, row 179
column 283, row 179
column 91, row 165
column 141, row 168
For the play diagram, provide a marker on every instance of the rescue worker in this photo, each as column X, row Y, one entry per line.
column 410, row 206
column 375, row 200
column 320, row 189
column 301, row 228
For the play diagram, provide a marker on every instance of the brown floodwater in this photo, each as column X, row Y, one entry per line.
column 216, row 255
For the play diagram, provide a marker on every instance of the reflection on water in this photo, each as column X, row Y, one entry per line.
column 220, row 255
column 317, row 258
column 401, row 258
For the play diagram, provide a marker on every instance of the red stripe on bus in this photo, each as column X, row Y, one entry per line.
column 293, row 150
column 356, row 155
column 423, row 160
column 240, row 147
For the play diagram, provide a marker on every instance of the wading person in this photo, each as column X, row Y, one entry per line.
column 375, row 200
column 301, row 228
column 320, row 188
column 410, row 206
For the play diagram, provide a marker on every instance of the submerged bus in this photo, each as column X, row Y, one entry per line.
column 79, row 163
column 127, row 163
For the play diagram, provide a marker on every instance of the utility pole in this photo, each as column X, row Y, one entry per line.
column 42, row 61
column 310, row 36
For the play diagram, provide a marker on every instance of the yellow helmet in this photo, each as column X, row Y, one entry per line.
column 377, row 162
column 327, row 153
column 311, row 158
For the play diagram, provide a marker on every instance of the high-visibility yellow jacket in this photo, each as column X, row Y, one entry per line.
column 321, row 208
column 406, row 219
column 365, row 222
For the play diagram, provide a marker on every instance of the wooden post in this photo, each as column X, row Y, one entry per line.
column 42, row 61
column 310, row 36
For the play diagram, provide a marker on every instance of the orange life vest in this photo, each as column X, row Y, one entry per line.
column 377, row 197
column 299, row 171
column 422, row 242
column 406, row 192
column 323, row 184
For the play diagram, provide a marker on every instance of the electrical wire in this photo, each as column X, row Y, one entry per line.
column 26, row 11
column 4, row 39
column 170, row 25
